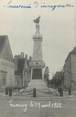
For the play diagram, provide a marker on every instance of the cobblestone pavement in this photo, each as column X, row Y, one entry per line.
column 38, row 107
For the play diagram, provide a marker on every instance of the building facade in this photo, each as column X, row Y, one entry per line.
column 22, row 70
column 6, row 63
column 70, row 70
column 58, row 80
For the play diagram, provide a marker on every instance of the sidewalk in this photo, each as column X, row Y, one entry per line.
column 32, row 108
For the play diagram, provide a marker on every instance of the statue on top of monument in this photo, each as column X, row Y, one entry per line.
column 37, row 20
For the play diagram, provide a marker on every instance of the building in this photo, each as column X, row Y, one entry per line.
column 22, row 70
column 70, row 70
column 58, row 80
column 6, row 63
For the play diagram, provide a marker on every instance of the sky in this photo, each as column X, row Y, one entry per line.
column 57, row 27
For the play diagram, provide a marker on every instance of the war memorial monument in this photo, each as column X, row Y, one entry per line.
column 37, row 64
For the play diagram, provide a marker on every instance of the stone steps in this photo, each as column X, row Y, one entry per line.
column 39, row 92
column 38, row 84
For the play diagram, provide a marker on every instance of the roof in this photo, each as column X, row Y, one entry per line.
column 5, row 49
column 73, row 51
column 2, row 41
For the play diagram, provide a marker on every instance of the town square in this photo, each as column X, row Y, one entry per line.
column 37, row 64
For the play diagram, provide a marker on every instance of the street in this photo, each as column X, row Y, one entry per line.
column 37, row 107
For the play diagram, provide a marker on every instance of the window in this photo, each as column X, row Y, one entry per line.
column 3, row 77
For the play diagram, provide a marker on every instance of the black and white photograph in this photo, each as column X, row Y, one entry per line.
column 37, row 58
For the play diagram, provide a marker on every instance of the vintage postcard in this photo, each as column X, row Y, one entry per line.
column 37, row 58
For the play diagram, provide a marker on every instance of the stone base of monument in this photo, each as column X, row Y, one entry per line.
column 37, row 88
column 38, row 84
column 41, row 88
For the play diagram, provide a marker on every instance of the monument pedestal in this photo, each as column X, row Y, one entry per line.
column 41, row 88
column 38, row 84
column 36, row 73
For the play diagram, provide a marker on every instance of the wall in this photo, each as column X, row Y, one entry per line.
column 67, row 72
column 8, row 68
column 73, row 70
